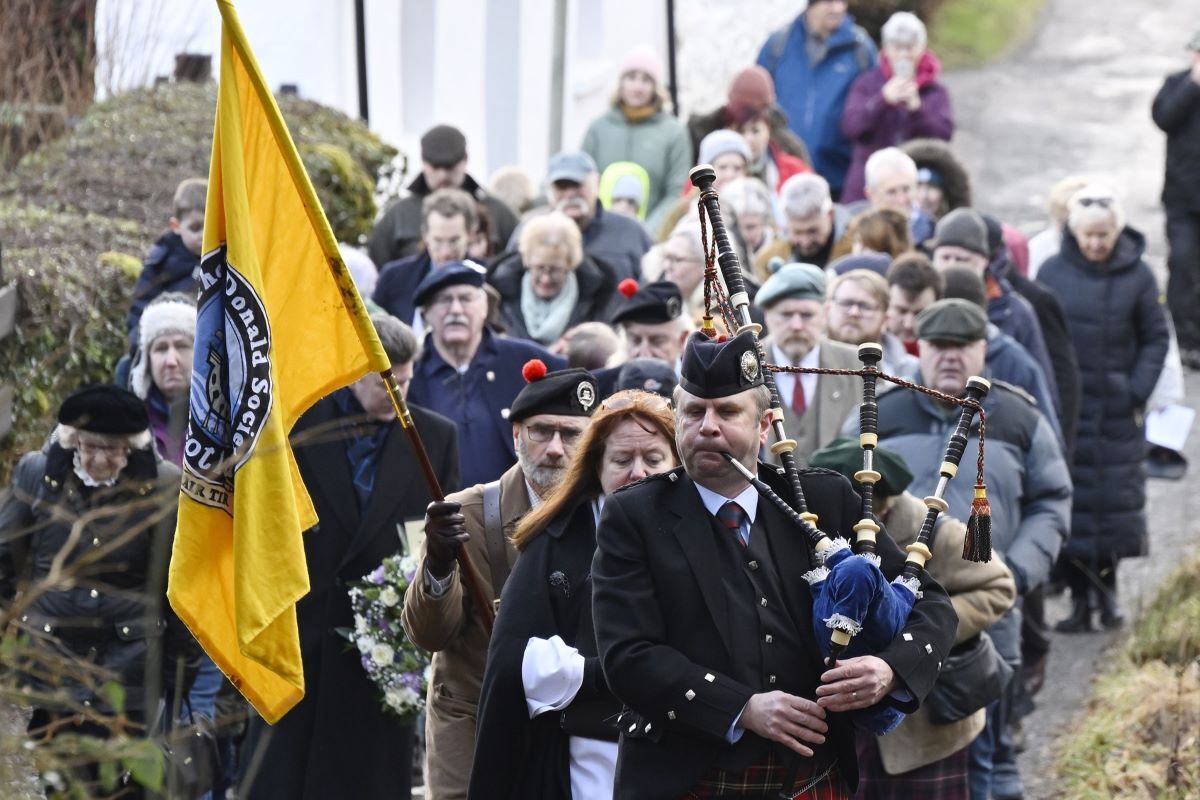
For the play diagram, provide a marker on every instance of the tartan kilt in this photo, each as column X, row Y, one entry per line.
column 762, row 780
column 945, row 779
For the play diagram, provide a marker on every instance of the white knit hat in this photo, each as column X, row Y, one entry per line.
column 172, row 312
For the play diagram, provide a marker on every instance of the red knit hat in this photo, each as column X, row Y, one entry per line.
column 751, row 92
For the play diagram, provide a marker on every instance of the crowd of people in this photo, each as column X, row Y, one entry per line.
column 652, row 637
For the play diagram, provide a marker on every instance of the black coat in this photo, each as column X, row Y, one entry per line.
column 548, row 593
column 338, row 741
column 597, row 293
column 1176, row 111
column 1115, row 316
column 102, row 617
column 662, row 625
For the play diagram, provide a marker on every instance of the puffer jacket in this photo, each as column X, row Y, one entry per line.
column 1028, row 483
column 659, row 144
column 114, row 614
column 1116, row 320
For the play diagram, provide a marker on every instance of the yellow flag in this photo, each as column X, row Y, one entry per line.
column 280, row 325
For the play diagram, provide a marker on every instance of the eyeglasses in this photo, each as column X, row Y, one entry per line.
column 98, row 448
column 857, row 306
column 636, row 398
column 444, row 301
column 546, row 271
column 544, row 433
column 1102, row 202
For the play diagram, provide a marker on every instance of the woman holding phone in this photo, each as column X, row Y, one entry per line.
column 900, row 99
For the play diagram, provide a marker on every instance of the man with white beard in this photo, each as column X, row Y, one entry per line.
column 547, row 418
column 573, row 187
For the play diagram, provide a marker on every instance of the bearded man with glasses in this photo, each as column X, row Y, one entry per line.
column 546, row 419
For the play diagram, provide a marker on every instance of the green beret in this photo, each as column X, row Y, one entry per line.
column 795, row 281
column 845, row 456
column 952, row 320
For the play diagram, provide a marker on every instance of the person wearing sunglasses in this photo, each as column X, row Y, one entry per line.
column 546, row 419
column 1115, row 318
column 547, row 721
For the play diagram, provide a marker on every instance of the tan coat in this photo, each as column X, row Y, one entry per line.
column 451, row 629
column 981, row 593
column 837, row 396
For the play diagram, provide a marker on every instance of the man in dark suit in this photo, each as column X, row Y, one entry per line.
column 365, row 483
column 704, row 623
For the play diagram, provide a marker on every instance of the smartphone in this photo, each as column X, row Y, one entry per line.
column 903, row 68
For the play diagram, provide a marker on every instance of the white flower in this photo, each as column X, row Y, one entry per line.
column 389, row 597
column 365, row 644
column 360, row 625
column 401, row 698
column 382, row 654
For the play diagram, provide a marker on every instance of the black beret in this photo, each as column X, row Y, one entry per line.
column 713, row 368
column 844, row 455
column 952, row 320
column 651, row 304
column 569, row 392
column 649, row 375
column 104, row 409
column 452, row 273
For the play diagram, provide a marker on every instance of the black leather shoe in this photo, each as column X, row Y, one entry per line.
column 1080, row 620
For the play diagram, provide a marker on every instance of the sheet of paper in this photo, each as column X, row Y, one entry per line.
column 412, row 536
column 1169, row 426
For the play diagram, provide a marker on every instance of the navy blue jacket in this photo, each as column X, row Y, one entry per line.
column 397, row 283
column 169, row 267
column 1115, row 316
column 814, row 95
column 477, row 401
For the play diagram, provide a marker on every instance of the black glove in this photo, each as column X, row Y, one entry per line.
column 444, row 532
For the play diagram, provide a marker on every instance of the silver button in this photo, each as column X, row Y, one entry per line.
column 929, row 648
column 670, row 715
column 762, row 602
column 125, row 630
column 491, row 377
column 94, row 594
column 771, row 679
column 709, row 677
column 648, row 725
column 768, row 638
column 908, row 637
column 689, row 694
column 633, row 727
column 46, row 628
column 95, row 541
column 753, row 565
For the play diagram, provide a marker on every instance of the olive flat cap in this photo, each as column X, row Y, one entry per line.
column 795, row 281
column 844, row 455
column 952, row 320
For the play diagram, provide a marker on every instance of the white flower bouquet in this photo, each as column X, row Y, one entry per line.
column 393, row 662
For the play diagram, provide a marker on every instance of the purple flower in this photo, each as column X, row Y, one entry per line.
column 376, row 576
column 366, row 664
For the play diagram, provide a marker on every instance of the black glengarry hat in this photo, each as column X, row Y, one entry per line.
column 713, row 368
column 104, row 409
column 569, row 392
column 651, row 304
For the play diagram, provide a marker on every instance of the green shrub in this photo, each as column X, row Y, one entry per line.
column 871, row 14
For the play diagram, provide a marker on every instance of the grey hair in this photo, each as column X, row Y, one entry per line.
column 889, row 159
column 748, row 196
column 1083, row 207
column 905, row 28
column 805, row 195
column 691, row 231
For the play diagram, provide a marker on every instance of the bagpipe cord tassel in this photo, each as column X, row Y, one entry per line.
column 977, row 546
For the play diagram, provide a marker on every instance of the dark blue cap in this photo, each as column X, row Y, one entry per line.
column 649, row 375
column 451, row 273
column 713, row 368
column 876, row 262
column 651, row 304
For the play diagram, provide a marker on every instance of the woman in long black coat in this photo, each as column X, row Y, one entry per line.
column 1115, row 317
column 547, row 721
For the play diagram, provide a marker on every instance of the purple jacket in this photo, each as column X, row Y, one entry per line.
column 871, row 123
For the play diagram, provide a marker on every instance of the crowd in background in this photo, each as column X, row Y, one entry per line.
column 854, row 220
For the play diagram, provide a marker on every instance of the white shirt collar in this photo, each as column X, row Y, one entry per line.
column 747, row 499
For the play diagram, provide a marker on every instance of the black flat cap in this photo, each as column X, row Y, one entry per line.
column 569, row 392
column 713, row 368
column 649, row 375
column 452, row 273
column 952, row 320
column 844, row 455
column 104, row 409
column 651, row 304
column 443, row 146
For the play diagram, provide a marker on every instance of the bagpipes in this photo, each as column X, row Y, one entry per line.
column 856, row 610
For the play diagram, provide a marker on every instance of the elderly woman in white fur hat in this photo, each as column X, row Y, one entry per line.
column 162, row 369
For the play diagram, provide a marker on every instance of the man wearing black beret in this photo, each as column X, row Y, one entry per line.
column 546, row 420
column 704, row 622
